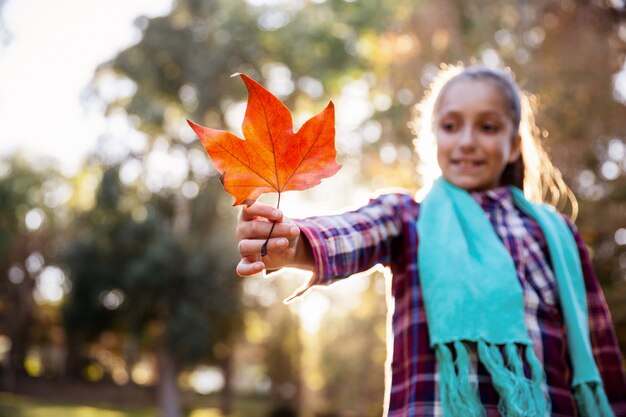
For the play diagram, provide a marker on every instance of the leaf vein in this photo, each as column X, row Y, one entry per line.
column 247, row 165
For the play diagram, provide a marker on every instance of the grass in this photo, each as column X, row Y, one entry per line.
column 16, row 406
column 19, row 406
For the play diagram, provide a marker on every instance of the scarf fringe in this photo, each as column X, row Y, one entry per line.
column 592, row 401
column 459, row 397
column 538, row 377
column 519, row 395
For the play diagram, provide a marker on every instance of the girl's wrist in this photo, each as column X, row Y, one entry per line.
column 303, row 257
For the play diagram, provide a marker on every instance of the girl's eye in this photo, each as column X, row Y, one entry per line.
column 448, row 126
column 490, row 127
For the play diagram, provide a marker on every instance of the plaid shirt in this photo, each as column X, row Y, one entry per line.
column 385, row 232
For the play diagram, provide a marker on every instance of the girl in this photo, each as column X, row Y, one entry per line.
column 490, row 291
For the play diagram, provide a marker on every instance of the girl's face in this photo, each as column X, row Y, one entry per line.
column 475, row 134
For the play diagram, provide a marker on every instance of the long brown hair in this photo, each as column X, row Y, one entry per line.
column 533, row 172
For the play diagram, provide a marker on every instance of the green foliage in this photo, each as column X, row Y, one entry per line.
column 136, row 276
column 21, row 189
column 26, row 191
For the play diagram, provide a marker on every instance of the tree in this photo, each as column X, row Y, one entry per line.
column 30, row 215
column 139, row 275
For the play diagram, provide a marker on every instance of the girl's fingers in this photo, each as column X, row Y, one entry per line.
column 261, row 229
column 260, row 210
column 246, row 267
column 255, row 224
column 252, row 247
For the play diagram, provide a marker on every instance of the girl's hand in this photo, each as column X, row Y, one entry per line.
column 254, row 226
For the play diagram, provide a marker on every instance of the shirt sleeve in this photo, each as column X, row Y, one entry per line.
column 354, row 241
column 604, row 343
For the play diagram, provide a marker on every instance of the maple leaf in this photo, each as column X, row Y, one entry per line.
column 272, row 158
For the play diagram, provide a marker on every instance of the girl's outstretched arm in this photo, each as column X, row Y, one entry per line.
column 354, row 241
column 286, row 247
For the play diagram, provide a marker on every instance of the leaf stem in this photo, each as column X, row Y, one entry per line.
column 264, row 247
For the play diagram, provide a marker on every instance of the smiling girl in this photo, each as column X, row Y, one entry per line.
column 496, row 309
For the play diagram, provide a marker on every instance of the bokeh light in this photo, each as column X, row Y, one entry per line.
column 205, row 379
column 34, row 219
column 142, row 373
column 52, row 285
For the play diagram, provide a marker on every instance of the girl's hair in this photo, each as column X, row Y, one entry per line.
column 533, row 172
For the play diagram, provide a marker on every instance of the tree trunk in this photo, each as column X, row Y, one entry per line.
column 226, row 395
column 73, row 357
column 168, row 395
column 19, row 331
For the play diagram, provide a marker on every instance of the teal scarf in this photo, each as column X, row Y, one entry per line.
column 472, row 294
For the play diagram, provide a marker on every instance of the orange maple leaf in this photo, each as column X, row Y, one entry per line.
column 272, row 158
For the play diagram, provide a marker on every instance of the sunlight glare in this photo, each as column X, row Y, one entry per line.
column 312, row 309
column 50, row 61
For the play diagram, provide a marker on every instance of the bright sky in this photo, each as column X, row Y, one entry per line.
column 55, row 47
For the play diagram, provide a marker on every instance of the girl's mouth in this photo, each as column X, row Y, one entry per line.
column 467, row 163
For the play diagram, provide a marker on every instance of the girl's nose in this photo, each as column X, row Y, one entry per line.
column 466, row 139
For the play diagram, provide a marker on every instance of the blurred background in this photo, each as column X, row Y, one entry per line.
column 117, row 288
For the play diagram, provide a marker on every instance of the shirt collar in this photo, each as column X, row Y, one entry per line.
column 499, row 196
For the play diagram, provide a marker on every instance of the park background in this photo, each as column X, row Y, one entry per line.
column 117, row 288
